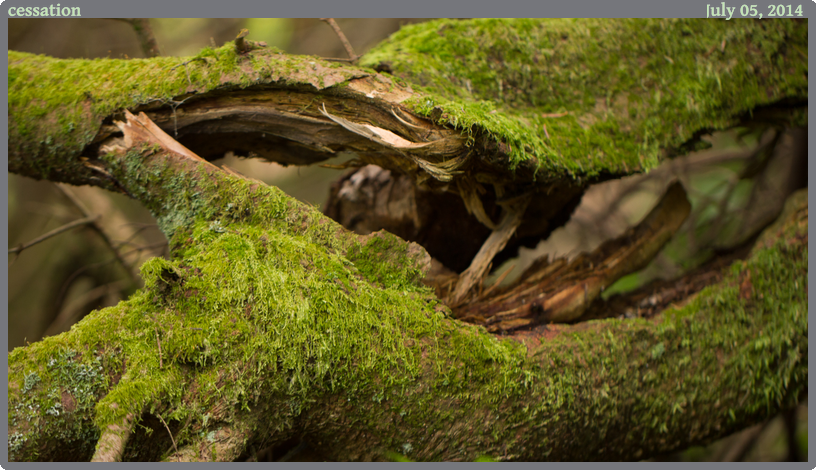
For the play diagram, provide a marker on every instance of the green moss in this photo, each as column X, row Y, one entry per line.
column 246, row 312
column 618, row 92
column 266, row 303
column 57, row 106
column 368, row 258
column 563, row 97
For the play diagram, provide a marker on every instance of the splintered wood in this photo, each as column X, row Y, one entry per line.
column 141, row 129
column 561, row 291
column 442, row 171
column 497, row 240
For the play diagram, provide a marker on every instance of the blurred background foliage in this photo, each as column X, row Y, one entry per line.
column 736, row 187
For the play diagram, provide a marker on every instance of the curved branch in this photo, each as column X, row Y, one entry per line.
column 368, row 346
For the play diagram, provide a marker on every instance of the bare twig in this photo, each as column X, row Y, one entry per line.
column 68, row 315
column 171, row 437
column 77, row 223
column 335, row 59
column 80, row 271
column 145, row 33
column 98, row 229
column 349, row 50
column 136, row 233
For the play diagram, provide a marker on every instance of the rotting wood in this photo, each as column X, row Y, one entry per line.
column 474, row 274
column 561, row 291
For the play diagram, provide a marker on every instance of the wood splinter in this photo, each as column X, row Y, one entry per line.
column 497, row 240
column 561, row 291
column 142, row 129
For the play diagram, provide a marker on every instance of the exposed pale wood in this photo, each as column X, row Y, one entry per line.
column 561, row 291
column 497, row 240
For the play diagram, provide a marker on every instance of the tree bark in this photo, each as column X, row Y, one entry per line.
column 272, row 321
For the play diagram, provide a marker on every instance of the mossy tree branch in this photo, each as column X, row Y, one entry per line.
column 271, row 320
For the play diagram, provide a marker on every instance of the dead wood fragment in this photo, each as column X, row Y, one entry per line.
column 111, row 444
column 142, row 129
column 386, row 138
column 562, row 291
column 657, row 296
column 497, row 240
column 243, row 45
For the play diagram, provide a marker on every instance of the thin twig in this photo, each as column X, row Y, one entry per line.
column 336, row 59
column 77, row 223
column 129, row 240
column 98, row 229
column 498, row 281
column 68, row 314
column 744, row 442
column 171, row 437
column 349, row 50
column 145, row 33
column 78, row 272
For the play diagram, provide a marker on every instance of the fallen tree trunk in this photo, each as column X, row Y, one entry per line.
column 272, row 321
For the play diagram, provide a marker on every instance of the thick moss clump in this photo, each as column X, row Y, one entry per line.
column 269, row 316
column 244, row 316
column 596, row 95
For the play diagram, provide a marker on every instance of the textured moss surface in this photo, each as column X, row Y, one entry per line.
column 563, row 98
column 259, row 311
column 612, row 94
column 270, row 319
column 56, row 107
